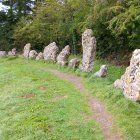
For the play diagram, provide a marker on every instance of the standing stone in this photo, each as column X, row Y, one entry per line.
column 102, row 72
column 130, row 81
column 2, row 53
column 27, row 50
column 33, row 54
column 89, row 51
column 39, row 56
column 51, row 51
column 12, row 52
column 74, row 63
column 62, row 58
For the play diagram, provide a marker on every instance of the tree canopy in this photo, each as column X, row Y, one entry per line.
column 115, row 23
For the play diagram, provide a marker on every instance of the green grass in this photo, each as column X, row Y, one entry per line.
column 45, row 117
column 126, row 113
column 56, row 110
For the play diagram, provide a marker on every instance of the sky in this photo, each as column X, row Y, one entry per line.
column 3, row 7
column 0, row 6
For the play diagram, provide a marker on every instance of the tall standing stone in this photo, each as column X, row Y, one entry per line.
column 51, row 51
column 89, row 50
column 27, row 48
column 130, row 81
column 62, row 58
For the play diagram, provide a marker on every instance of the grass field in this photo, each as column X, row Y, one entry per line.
column 35, row 104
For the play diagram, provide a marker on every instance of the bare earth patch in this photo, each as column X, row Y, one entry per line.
column 58, row 98
column 101, row 115
column 43, row 88
column 28, row 95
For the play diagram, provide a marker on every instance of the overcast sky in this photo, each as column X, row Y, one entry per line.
column 3, row 7
column 0, row 6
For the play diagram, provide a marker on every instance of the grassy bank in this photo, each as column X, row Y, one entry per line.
column 126, row 113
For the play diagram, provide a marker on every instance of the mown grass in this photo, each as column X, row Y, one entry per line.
column 36, row 105
column 25, row 77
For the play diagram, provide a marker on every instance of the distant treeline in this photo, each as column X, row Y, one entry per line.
column 115, row 23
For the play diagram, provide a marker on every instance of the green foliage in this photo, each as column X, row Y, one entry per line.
column 8, row 18
column 116, row 24
column 55, row 21
column 127, row 24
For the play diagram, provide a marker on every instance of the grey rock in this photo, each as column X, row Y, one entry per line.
column 62, row 58
column 130, row 81
column 74, row 63
column 39, row 56
column 12, row 52
column 89, row 51
column 102, row 72
column 2, row 53
column 26, row 52
column 51, row 51
column 33, row 54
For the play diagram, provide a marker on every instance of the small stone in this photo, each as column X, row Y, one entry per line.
column 39, row 56
column 2, row 53
column 62, row 58
column 33, row 54
column 12, row 52
column 74, row 63
column 102, row 72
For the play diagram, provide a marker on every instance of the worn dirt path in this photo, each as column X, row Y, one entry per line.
column 101, row 115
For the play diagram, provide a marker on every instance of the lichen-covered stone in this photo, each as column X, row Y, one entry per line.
column 74, row 63
column 26, row 52
column 12, row 52
column 62, row 58
column 33, row 54
column 2, row 53
column 51, row 51
column 130, row 81
column 89, row 50
column 102, row 72
column 39, row 56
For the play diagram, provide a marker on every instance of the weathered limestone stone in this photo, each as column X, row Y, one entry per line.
column 130, row 81
column 39, row 56
column 102, row 72
column 33, row 54
column 27, row 48
column 12, row 52
column 62, row 58
column 89, row 51
column 51, row 51
column 2, row 53
column 74, row 63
